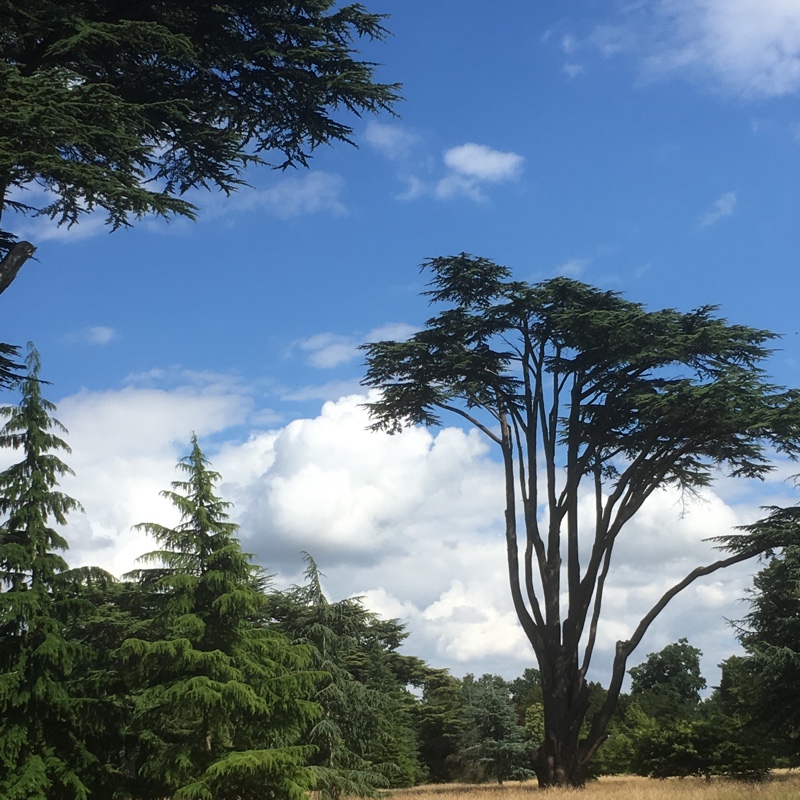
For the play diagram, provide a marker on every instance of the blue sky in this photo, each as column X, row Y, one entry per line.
column 647, row 147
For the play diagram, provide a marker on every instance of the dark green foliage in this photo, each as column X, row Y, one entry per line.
column 220, row 699
column 364, row 740
column 494, row 744
column 126, row 106
column 666, row 730
column 770, row 674
column 668, row 684
column 587, row 395
column 9, row 368
column 41, row 754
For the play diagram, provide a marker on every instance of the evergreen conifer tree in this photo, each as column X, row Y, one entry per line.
column 365, row 737
column 222, row 698
column 494, row 743
column 41, row 751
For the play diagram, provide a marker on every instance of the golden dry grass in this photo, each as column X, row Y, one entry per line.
column 781, row 786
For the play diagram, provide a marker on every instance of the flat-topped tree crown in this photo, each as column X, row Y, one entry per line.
column 585, row 393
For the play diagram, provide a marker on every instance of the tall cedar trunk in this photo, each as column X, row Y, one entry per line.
column 561, row 759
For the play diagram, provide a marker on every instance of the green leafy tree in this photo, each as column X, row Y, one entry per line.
column 494, row 744
column 124, row 107
column 585, row 394
column 41, row 753
column 364, row 740
column 222, row 698
column 668, row 684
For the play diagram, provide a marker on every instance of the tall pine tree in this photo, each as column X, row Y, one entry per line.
column 221, row 699
column 41, row 751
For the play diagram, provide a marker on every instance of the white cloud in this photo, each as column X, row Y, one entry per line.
column 483, row 163
column 749, row 48
column 723, row 207
column 328, row 350
column 391, row 140
column 413, row 521
column 470, row 167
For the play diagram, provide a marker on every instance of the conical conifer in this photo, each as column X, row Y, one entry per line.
column 41, row 754
column 222, row 698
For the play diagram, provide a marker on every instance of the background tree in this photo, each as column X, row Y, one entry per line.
column 222, row 699
column 125, row 106
column 440, row 723
column 663, row 719
column 592, row 395
column 364, row 740
column 494, row 744
column 41, row 755
column 668, row 683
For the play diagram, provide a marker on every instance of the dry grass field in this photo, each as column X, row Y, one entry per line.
column 781, row 786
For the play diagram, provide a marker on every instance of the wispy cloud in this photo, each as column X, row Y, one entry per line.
column 93, row 335
column 328, row 350
column 748, row 48
column 391, row 140
column 723, row 206
column 308, row 193
column 573, row 268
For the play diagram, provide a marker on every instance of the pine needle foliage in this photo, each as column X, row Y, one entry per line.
column 41, row 752
column 124, row 107
column 221, row 699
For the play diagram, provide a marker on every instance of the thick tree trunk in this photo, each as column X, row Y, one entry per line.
column 562, row 759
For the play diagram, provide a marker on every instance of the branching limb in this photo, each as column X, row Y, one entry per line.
column 17, row 255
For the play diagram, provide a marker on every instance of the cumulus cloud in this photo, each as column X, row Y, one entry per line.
column 469, row 169
column 472, row 166
column 413, row 522
column 483, row 163
column 723, row 207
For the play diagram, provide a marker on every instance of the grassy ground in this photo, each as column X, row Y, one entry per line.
column 782, row 786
